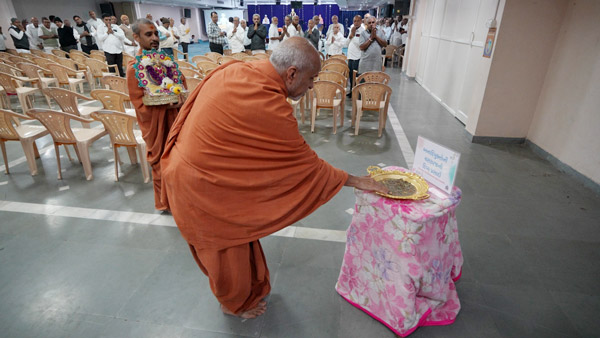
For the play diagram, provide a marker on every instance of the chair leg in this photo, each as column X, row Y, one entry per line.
column 30, row 150
column 357, row 122
column 144, row 163
column 342, row 110
column 132, row 155
column 68, row 153
column 36, row 151
column 58, row 161
column 313, row 117
column 116, row 152
column 335, row 112
column 3, row 146
column 84, row 156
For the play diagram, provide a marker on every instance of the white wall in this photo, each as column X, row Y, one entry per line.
column 567, row 117
column 7, row 11
column 65, row 9
column 449, row 51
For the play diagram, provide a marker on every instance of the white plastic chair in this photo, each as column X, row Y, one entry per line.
column 24, row 133
column 373, row 97
column 59, row 125
column 324, row 96
column 120, row 128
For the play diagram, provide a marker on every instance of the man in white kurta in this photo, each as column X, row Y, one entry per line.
column 236, row 36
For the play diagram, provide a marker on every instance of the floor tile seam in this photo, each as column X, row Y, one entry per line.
column 64, row 211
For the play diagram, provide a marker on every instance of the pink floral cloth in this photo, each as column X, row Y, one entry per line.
column 402, row 259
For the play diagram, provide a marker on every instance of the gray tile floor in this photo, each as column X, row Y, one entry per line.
column 530, row 236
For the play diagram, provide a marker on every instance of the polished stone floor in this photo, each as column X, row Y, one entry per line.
column 93, row 259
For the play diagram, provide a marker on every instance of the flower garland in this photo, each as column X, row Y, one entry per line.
column 158, row 74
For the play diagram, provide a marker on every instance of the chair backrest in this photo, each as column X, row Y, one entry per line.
column 96, row 52
column 183, row 63
column 389, row 51
column 66, row 99
column 37, row 52
column 336, row 77
column 334, row 60
column 28, row 56
column 97, row 67
column 177, row 53
column 206, row 67
column 261, row 56
column 4, row 68
column 226, row 52
column 118, row 125
column 325, row 93
column 226, row 59
column 250, row 58
column 52, row 57
column 199, row 58
column 372, row 94
column 126, row 59
column 31, row 71
column 339, row 56
column 57, row 123
column 322, row 56
column 192, row 83
column 7, row 81
column 99, row 57
column 336, row 67
column 111, row 100
column 239, row 56
column 60, row 53
column 115, row 83
column 61, row 73
column 214, row 56
column 7, row 129
column 17, row 59
column 69, row 63
column 190, row 73
column 376, row 77
column 77, row 57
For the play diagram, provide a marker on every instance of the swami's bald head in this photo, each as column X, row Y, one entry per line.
column 298, row 63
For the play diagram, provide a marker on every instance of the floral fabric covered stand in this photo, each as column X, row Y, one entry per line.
column 402, row 259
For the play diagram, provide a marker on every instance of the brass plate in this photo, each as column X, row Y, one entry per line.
column 417, row 181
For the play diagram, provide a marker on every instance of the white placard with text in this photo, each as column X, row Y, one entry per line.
column 436, row 164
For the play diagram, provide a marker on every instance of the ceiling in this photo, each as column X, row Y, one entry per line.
column 343, row 4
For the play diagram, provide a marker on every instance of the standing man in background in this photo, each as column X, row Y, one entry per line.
column 93, row 24
column 274, row 36
column 20, row 38
column 67, row 36
column 354, row 52
column 257, row 34
column 247, row 41
column 166, row 37
column 236, row 37
column 334, row 22
column 129, row 45
column 216, row 37
column 184, row 35
column 111, row 37
column 34, row 40
column 371, row 42
column 87, row 40
column 288, row 29
column 49, row 35
column 312, row 34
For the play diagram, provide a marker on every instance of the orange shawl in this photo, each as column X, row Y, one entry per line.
column 235, row 167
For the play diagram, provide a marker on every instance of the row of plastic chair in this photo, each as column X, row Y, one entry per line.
column 119, row 126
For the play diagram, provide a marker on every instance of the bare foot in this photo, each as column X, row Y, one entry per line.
column 260, row 309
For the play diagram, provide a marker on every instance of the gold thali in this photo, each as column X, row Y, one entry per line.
column 419, row 187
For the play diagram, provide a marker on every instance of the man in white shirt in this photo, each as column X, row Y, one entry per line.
column 274, row 35
column 247, row 41
column 167, row 41
column 184, row 35
column 334, row 22
column 111, row 37
column 354, row 52
column 335, row 42
column 387, row 28
column 93, row 24
column 404, row 30
column 297, row 26
column 236, row 36
column 18, row 35
column 174, row 33
column 2, row 39
column 288, row 29
column 32, row 29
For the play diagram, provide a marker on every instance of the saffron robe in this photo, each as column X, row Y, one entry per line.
column 235, row 169
column 155, row 123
